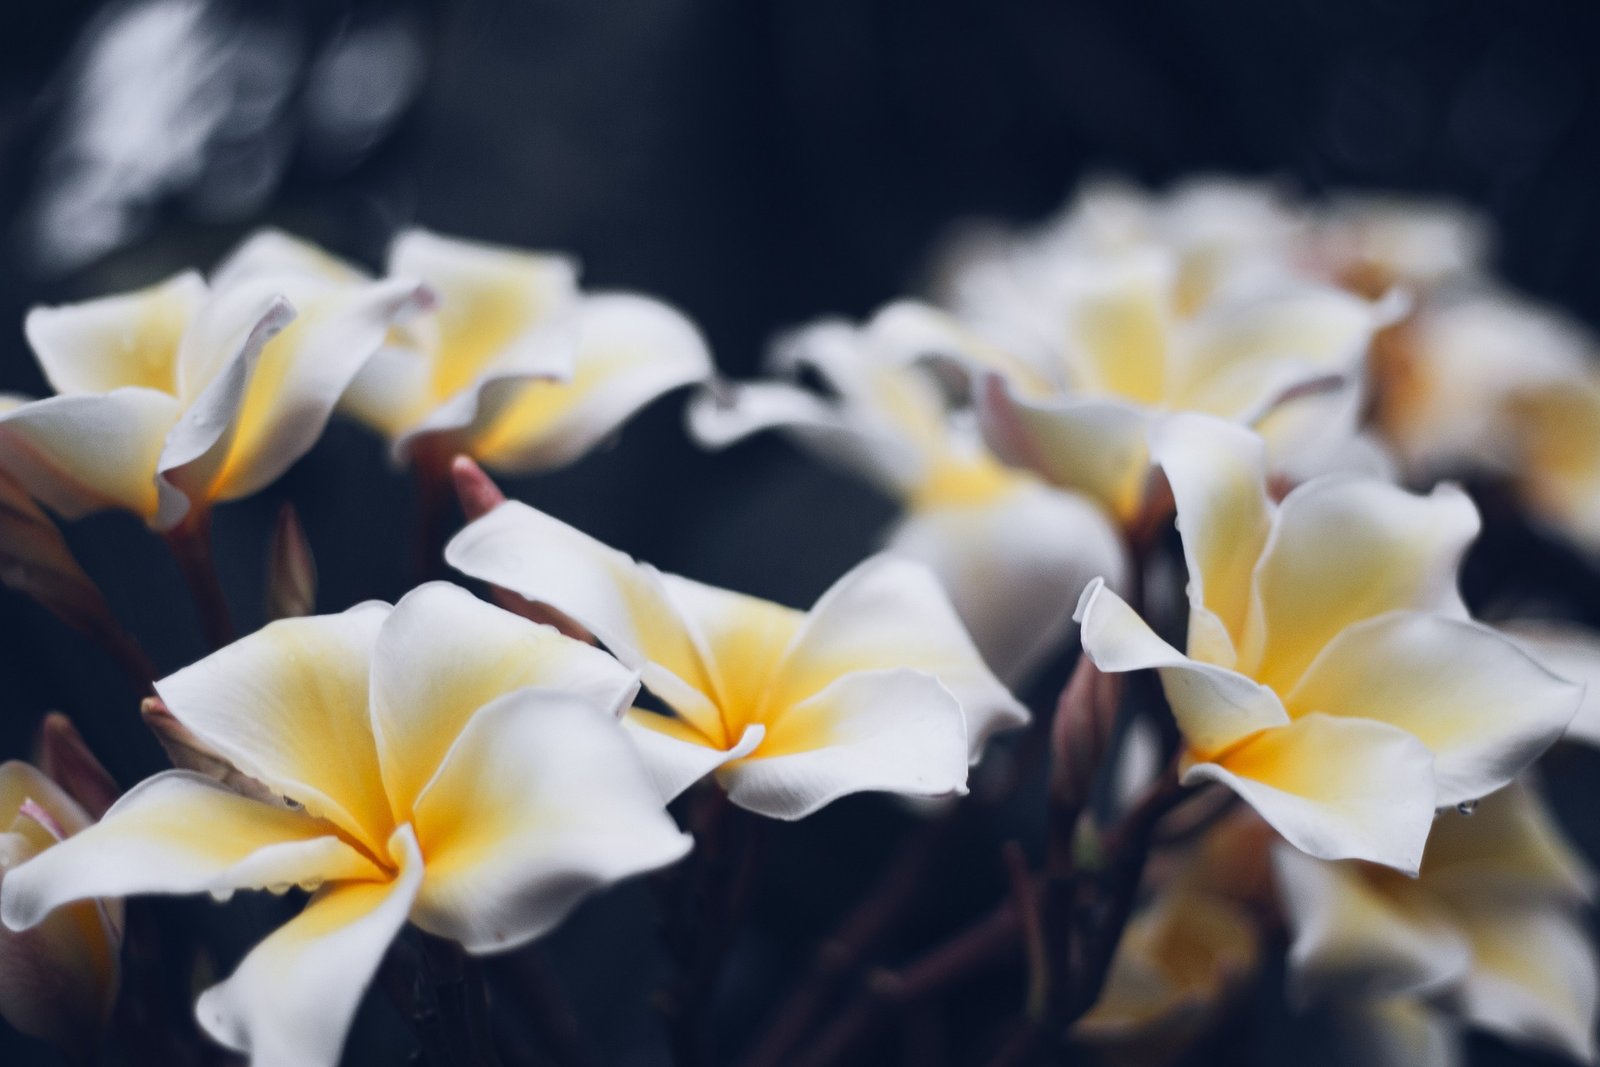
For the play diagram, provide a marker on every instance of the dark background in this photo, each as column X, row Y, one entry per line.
column 760, row 164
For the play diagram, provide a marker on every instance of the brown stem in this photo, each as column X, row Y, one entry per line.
column 845, row 949
column 989, row 941
column 430, row 465
column 190, row 542
column 715, row 891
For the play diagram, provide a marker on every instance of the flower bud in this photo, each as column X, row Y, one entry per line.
column 58, row 980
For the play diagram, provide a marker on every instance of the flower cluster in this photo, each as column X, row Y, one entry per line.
column 1258, row 394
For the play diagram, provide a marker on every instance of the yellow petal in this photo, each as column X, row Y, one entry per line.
column 630, row 350
column 1344, row 549
column 442, row 654
column 289, row 705
column 540, row 802
column 182, row 833
column 290, row 1003
column 117, row 341
column 1335, row 788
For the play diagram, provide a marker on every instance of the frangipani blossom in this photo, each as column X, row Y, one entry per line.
column 1179, row 963
column 58, row 980
column 1332, row 677
column 445, row 762
column 1491, row 934
column 1076, row 356
column 184, row 394
column 877, row 687
column 518, row 368
column 1012, row 552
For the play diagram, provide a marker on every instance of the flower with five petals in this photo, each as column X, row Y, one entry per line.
column 442, row 761
column 877, row 687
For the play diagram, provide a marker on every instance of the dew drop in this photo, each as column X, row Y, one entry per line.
column 1467, row 807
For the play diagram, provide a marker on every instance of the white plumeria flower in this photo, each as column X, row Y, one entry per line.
column 1332, row 676
column 518, row 369
column 447, row 762
column 59, row 980
column 1013, row 553
column 1370, row 243
column 1491, row 934
column 877, row 687
column 175, row 397
column 1075, row 356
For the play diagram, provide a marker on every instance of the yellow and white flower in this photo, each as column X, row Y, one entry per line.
column 1013, row 553
column 518, row 368
column 1077, row 354
column 175, row 397
column 444, row 761
column 1491, row 935
column 58, row 980
column 877, row 687
column 1332, row 677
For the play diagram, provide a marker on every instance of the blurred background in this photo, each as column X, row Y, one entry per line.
column 758, row 164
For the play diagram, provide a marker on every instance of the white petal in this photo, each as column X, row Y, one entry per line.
column 728, row 413
column 1015, row 568
column 540, row 802
column 1534, row 979
column 1217, row 471
column 621, row 602
column 80, row 454
column 1352, row 940
column 288, row 705
column 1335, row 788
column 180, row 833
column 1402, row 1032
column 1096, row 447
column 631, row 350
column 301, row 373
column 442, row 654
column 676, row 754
column 1509, row 851
column 1344, row 549
column 1570, row 652
column 1244, row 354
column 1483, row 707
column 1215, row 707
column 505, row 317
column 290, row 1003
column 887, row 614
column 215, row 363
column 894, row 731
column 127, row 340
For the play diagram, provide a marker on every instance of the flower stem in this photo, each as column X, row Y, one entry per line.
column 190, row 542
column 710, row 910
column 430, row 465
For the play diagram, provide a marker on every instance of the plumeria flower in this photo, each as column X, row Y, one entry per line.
column 518, row 369
column 1481, row 381
column 58, row 980
column 877, row 687
column 1012, row 552
column 1491, row 934
column 1179, row 965
column 443, row 761
column 1075, row 356
column 185, row 394
column 1188, row 954
column 1226, row 233
column 1331, row 677
column 1373, row 243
